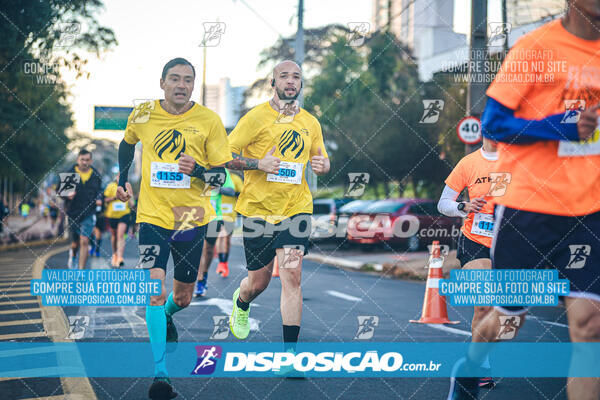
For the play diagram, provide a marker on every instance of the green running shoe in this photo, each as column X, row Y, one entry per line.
column 238, row 322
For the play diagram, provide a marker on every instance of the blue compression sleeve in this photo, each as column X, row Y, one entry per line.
column 499, row 123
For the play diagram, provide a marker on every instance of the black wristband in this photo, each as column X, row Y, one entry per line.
column 198, row 171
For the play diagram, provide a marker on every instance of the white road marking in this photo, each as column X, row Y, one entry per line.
column 226, row 307
column 449, row 329
column 543, row 321
column 342, row 295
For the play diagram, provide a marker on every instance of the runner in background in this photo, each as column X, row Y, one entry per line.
column 472, row 172
column 99, row 229
column 81, row 207
column 229, row 215
column 547, row 182
column 219, row 231
column 118, row 214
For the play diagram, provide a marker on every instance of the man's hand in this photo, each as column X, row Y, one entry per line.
column 124, row 194
column 269, row 164
column 186, row 164
column 475, row 205
column 588, row 121
column 98, row 202
column 71, row 196
column 319, row 164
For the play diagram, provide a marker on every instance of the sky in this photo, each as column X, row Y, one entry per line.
column 151, row 32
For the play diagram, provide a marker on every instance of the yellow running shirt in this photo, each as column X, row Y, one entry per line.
column 269, row 196
column 170, row 199
column 85, row 176
column 116, row 208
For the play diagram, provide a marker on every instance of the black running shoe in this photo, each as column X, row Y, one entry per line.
column 462, row 388
column 172, row 335
column 161, row 389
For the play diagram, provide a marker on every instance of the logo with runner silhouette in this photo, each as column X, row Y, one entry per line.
column 213, row 180
column 287, row 113
column 221, row 327
column 358, row 31
column 499, row 183
column 432, row 110
column 498, row 33
column 358, row 183
column 77, row 326
column 207, row 359
column 142, row 110
column 573, row 109
column 212, row 33
column 508, row 327
column 171, row 142
column 579, row 255
column 148, row 255
column 291, row 142
column 186, row 219
column 68, row 183
column 366, row 326
column 292, row 256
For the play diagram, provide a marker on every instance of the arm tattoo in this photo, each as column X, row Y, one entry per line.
column 242, row 163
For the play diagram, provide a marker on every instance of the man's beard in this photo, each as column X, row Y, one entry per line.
column 282, row 96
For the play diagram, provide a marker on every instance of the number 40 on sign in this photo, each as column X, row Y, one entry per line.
column 469, row 130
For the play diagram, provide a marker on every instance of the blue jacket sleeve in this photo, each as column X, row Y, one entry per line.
column 499, row 123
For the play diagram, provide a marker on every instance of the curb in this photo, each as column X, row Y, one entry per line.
column 56, row 324
column 21, row 245
column 344, row 263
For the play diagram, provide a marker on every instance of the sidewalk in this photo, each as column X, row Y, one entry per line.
column 18, row 229
column 397, row 264
column 23, row 318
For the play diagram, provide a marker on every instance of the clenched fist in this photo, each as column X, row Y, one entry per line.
column 124, row 194
column 186, row 164
column 319, row 163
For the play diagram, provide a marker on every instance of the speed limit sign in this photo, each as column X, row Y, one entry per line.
column 469, row 130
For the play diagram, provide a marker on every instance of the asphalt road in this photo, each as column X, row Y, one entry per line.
column 333, row 299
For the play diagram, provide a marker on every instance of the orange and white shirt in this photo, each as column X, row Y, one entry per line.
column 543, row 74
column 473, row 172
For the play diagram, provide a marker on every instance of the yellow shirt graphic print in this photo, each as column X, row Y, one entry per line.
column 275, row 197
column 168, row 198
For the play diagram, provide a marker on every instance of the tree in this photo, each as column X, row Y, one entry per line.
column 316, row 44
column 369, row 101
column 39, row 40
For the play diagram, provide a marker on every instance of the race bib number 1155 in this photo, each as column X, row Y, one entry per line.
column 166, row 175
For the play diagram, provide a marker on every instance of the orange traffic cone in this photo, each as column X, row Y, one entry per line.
column 434, row 305
column 275, row 273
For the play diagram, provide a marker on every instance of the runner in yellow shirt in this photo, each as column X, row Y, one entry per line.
column 118, row 214
column 274, row 142
column 180, row 140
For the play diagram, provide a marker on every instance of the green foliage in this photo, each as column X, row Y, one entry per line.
column 369, row 101
column 39, row 39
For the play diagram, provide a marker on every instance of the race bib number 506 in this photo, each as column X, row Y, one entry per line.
column 289, row 172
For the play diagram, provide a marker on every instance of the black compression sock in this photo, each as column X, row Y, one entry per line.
column 242, row 304
column 223, row 257
column 290, row 335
